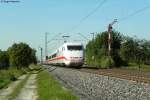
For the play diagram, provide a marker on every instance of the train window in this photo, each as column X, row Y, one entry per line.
column 74, row 47
column 54, row 55
column 49, row 57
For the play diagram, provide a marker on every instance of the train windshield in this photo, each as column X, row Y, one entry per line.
column 74, row 47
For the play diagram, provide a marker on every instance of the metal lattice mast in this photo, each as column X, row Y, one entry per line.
column 46, row 45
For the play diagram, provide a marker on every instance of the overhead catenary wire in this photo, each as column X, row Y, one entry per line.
column 54, row 37
column 83, row 36
column 134, row 13
column 89, row 14
column 57, row 35
column 84, row 18
column 94, row 10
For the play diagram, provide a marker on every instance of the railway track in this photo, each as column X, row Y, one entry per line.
column 134, row 75
column 88, row 85
column 138, row 76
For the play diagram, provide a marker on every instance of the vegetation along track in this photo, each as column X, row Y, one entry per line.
column 138, row 76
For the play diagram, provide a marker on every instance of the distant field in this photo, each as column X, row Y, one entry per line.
column 50, row 89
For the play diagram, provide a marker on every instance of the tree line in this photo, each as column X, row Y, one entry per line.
column 125, row 50
column 18, row 55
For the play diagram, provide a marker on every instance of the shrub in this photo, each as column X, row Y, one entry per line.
column 147, row 63
column 4, row 78
column 106, row 62
column 13, row 77
column 3, row 83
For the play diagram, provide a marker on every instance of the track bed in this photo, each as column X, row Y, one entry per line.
column 134, row 75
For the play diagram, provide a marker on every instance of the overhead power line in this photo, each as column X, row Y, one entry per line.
column 89, row 14
column 83, row 36
column 54, row 37
column 135, row 13
column 84, row 18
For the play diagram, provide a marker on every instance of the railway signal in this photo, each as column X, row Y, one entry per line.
column 110, row 36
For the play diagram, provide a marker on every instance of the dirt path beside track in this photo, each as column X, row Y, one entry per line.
column 4, row 93
column 29, row 91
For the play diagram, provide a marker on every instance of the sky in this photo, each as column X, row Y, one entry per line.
column 28, row 20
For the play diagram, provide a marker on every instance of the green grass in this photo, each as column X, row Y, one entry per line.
column 7, row 76
column 18, row 89
column 134, row 66
column 50, row 89
column 4, row 83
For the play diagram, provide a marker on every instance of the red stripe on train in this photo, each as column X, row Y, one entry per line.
column 58, row 58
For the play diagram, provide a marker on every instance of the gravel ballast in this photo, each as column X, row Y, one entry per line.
column 89, row 86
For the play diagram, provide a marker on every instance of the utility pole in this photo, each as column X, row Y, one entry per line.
column 41, row 54
column 110, row 36
column 46, row 45
column 93, row 35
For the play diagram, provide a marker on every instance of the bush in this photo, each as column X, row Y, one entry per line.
column 3, row 83
column 118, row 61
column 4, row 78
column 14, row 72
column 13, row 77
column 147, row 63
column 106, row 62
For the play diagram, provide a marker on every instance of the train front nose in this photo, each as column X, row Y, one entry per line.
column 76, row 61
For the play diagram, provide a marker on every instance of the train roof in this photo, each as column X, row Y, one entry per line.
column 67, row 43
column 72, row 43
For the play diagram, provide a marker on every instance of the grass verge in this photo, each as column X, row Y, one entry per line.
column 7, row 76
column 50, row 89
column 17, row 90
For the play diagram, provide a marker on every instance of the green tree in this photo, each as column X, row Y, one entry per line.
column 135, row 50
column 98, row 49
column 4, row 60
column 33, row 56
column 128, row 49
column 21, row 55
column 145, row 46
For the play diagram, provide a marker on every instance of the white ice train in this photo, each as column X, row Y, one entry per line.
column 69, row 54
